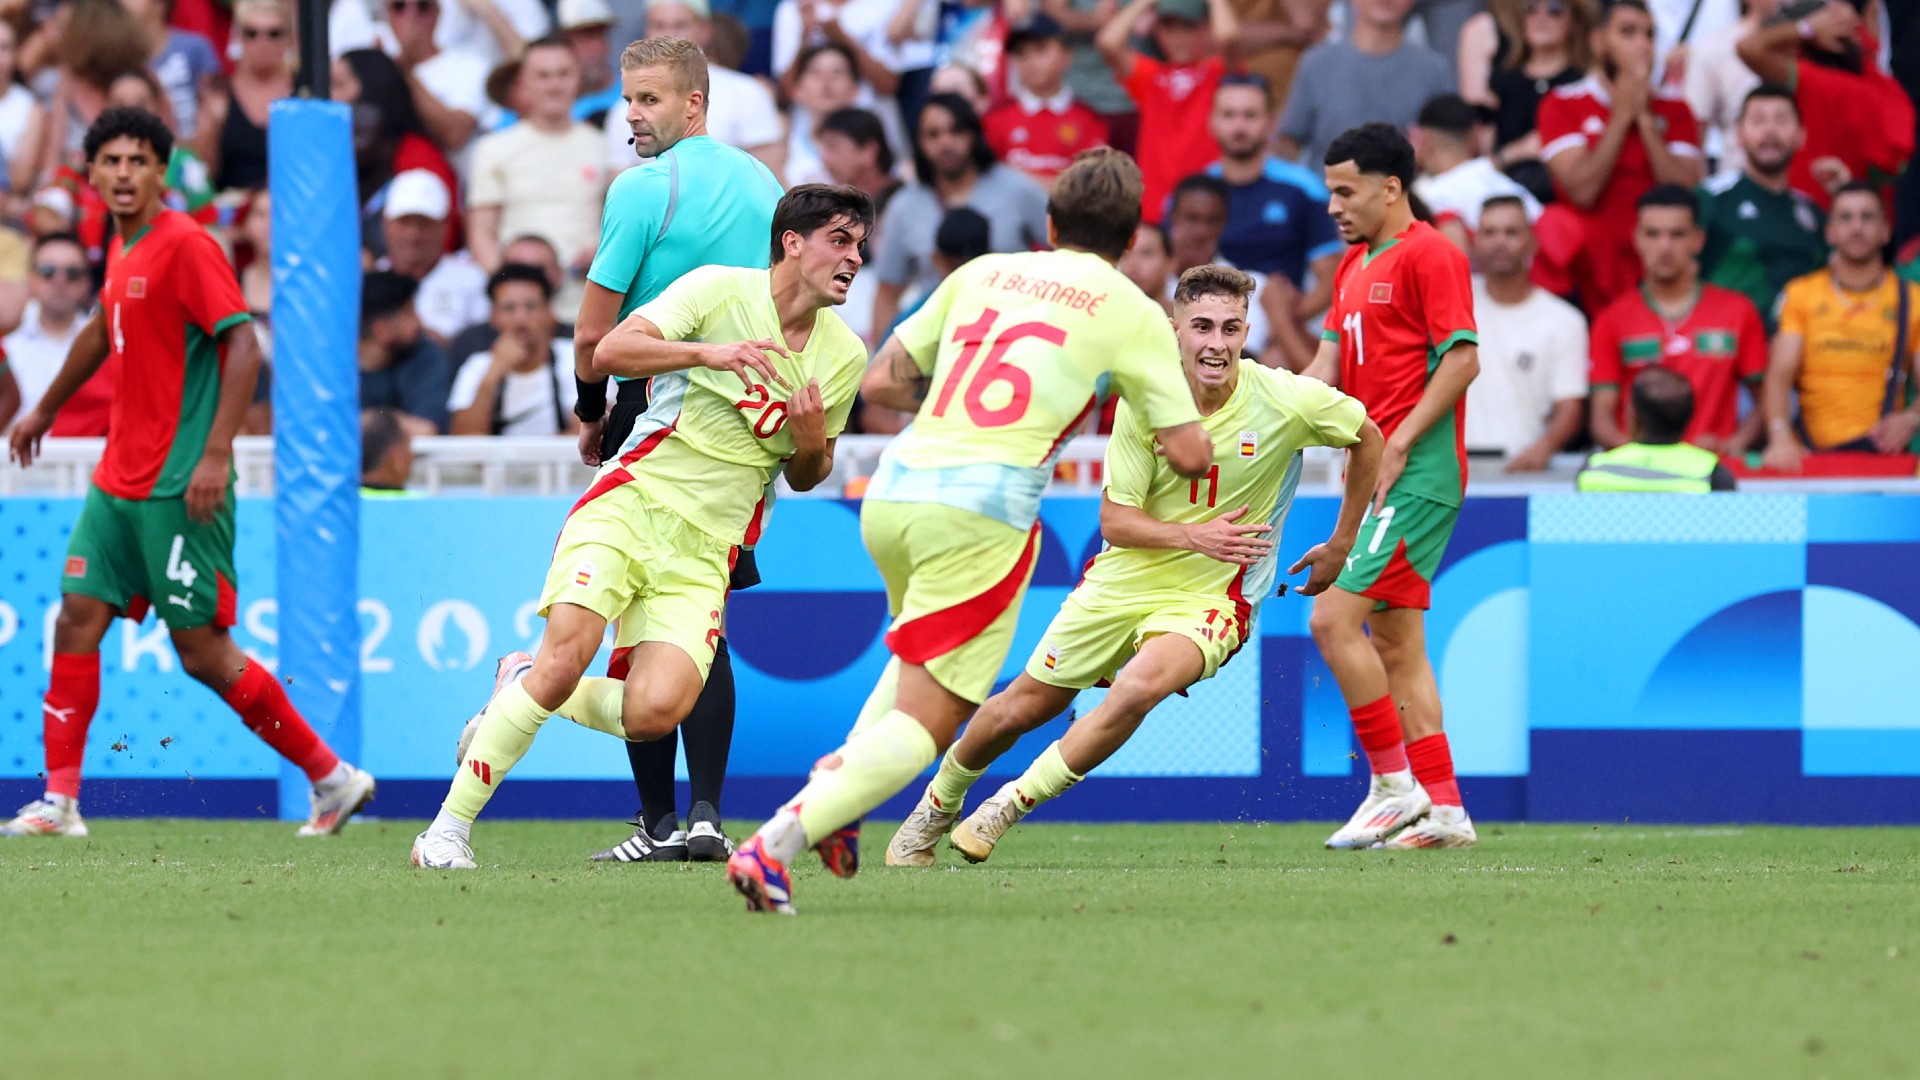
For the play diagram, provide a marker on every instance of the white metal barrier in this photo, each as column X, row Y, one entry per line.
column 550, row 465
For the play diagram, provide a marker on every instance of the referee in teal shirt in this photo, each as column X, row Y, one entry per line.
column 692, row 202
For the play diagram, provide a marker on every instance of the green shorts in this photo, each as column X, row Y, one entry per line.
column 139, row 553
column 1399, row 552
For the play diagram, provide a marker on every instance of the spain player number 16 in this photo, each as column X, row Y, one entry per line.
column 973, row 336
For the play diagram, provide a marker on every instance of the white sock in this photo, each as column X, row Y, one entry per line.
column 340, row 774
column 784, row 836
column 445, row 824
column 1450, row 815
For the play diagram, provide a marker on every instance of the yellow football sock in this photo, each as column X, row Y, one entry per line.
column 506, row 731
column 1045, row 779
column 880, row 702
column 885, row 758
column 595, row 704
column 949, row 786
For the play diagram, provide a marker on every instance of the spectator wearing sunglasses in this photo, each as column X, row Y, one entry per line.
column 232, row 139
column 1511, row 56
column 61, row 291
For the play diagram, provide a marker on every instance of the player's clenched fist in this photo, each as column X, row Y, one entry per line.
column 1231, row 540
column 748, row 359
column 807, row 418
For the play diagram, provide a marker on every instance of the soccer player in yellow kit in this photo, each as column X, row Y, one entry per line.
column 1001, row 366
column 1175, row 592
column 752, row 372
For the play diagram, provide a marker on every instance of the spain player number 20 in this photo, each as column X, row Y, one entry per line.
column 773, row 414
column 993, row 369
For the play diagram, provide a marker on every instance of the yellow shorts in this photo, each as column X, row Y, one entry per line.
column 1094, row 635
column 636, row 563
column 955, row 580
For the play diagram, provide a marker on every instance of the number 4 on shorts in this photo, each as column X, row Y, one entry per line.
column 178, row 568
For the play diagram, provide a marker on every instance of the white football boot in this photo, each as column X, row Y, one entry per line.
column 1445, row 827
column 439, row 851
column 974, row 838
column 336, row 799
column 54, row 815
column 1393, row 802
column 913, row 843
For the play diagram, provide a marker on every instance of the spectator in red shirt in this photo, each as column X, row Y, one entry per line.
column 1607, row 140
column 1174, row 95
column 1041, row 127
column 1711, row 335
column 1860, row 124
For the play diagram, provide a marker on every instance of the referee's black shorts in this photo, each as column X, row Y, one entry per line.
column 621, row 416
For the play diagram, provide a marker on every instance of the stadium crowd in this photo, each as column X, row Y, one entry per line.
column 1721, row 188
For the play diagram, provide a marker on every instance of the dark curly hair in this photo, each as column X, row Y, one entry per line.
column 122, row 120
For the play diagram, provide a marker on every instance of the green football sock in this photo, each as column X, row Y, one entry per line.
column 506, row 731
column 885, row 758
column 948, row 789
column 880, row 702
column 595, row 704
column 1045, row 779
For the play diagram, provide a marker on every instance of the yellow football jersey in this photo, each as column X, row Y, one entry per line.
column 707, row 447
column 1257, row 438
column 1022, row 348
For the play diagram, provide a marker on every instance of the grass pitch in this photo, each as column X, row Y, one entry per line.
column 219, row 949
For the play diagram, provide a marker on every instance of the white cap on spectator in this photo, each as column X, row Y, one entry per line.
column 418, row 191
column 580, row 14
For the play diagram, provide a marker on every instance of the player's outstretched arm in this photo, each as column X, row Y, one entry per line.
column 1456, row 372
column 895, row 380
column 1225, row 538
column 1363, row 472
column 636, row 349
column 9, row 395
column 239, row 371
column 89, row 351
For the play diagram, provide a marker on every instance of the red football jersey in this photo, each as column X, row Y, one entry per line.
column 1576, row 115
column 1174, row 104
column 1396, row 311
column 1719, row 344
column 169, row 295
column 1865, row 120
column 1043, row 141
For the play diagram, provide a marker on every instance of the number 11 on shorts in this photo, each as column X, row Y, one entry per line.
column 1384, row 519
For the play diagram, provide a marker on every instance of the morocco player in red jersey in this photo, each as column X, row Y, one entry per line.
column 1400, row 337
column 157, row 528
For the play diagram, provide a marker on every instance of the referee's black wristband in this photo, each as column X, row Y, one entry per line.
column 590, row 399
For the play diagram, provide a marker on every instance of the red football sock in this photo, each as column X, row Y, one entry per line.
column 1433, row 767
column 264, row 707
column 72, row 696
column 1377, row 724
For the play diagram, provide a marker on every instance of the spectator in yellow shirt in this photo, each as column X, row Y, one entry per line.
column 1846, row 343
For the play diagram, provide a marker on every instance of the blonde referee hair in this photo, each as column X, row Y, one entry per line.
column 681, row 57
